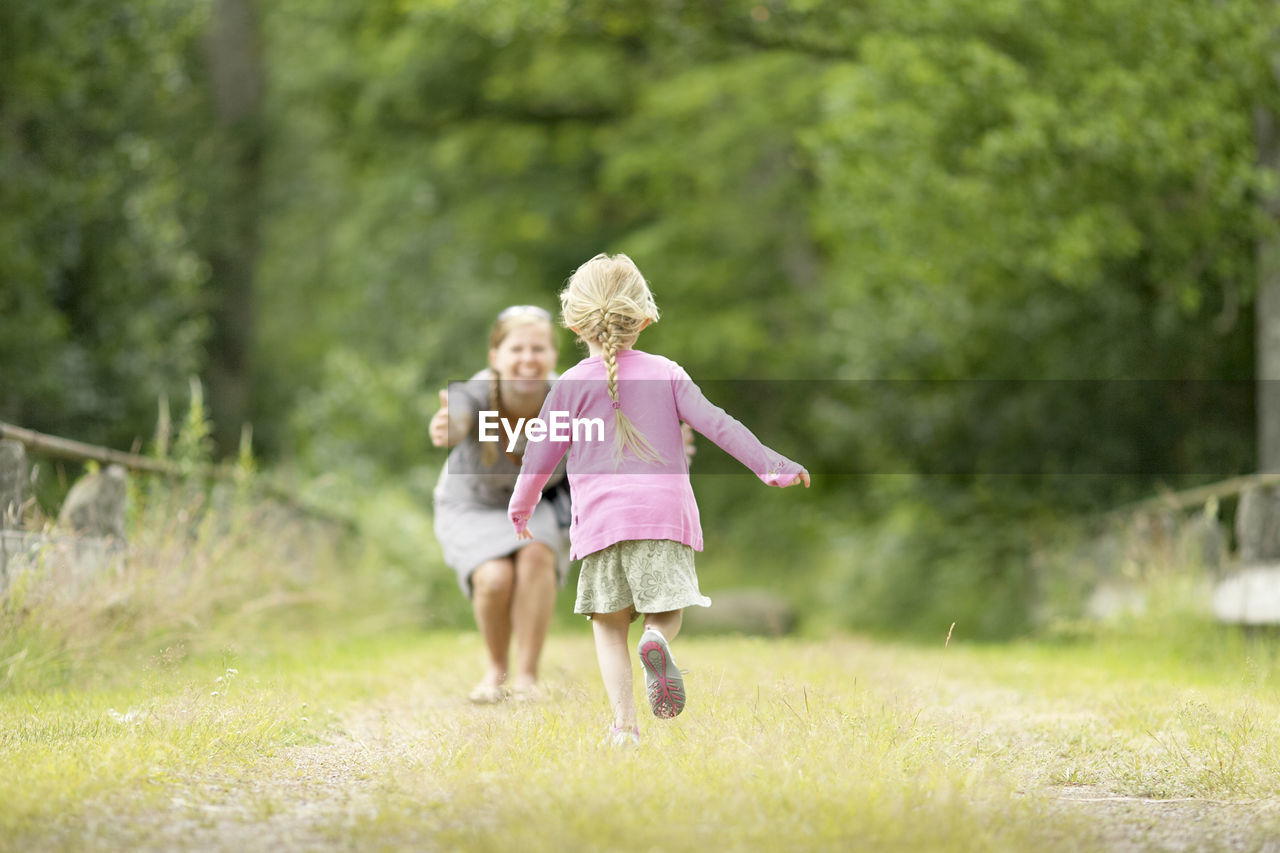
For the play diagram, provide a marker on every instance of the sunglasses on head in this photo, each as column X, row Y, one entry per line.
column 516, row 310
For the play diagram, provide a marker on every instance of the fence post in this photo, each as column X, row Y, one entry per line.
column 13, row 478
column 1258, row 525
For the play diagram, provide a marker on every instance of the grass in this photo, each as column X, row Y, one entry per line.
column 799, row 756
column 226, row 689
column 798, row 744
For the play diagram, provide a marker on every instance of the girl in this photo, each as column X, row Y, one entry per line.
column 635, row 522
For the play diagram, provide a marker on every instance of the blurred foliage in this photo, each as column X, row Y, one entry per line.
column 106, row 167
column 901, row 198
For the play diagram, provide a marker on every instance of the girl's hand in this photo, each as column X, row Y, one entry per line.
column 802, row 477
column 438, row 429
column 524, row 534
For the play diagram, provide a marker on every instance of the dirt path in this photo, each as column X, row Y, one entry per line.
column 1135, row 824
column 301, row 798
column 328, row 795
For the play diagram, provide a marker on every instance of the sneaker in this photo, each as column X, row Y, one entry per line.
column 622, row 737
column 662, row 681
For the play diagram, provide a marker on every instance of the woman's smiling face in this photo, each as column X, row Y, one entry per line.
column 525, row 357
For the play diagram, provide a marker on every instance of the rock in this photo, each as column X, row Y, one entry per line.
column 1113, row 599
column 1249, row 597
column 96, row 504
column 743, row 611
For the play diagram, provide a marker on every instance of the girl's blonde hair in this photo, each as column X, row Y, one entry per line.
column 608, row 301
column 510, row 319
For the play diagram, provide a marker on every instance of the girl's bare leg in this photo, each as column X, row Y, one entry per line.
column 614, row 656
column 664, row 684
column 531, row 608
column 667, row 623
column 491, row 588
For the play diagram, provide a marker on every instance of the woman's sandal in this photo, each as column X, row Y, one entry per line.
column 487, row 694
column 532, row 694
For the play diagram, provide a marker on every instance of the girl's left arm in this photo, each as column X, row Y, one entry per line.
column 733, row 437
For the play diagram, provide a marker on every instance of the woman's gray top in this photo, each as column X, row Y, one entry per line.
column 471, row 498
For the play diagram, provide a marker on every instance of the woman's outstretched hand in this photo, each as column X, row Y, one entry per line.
column 686, row 433
column 438, row 428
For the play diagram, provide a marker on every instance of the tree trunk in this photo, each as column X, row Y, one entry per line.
column 235, row 63
column 1267, row 332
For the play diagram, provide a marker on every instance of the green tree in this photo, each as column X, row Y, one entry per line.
column 1039, row 191
column 102, row 143
column 234, row 51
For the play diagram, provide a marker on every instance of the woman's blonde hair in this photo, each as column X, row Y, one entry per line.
column 510, row 319
column 608, row 301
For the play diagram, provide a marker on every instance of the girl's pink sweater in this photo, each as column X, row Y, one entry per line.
column 635, row 500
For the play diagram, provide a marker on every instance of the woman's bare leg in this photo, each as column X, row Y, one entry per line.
column 531, row 608
column 491, row 588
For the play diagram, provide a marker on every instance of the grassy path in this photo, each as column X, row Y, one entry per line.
column 842, row 744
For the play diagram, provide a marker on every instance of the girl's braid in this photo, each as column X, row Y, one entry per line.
column 620, row 329
column 609, row 341
column 608, row 302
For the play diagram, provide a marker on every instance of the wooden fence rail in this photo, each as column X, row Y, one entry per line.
column 13, row 439
column 1198, row 496
column 78, row 451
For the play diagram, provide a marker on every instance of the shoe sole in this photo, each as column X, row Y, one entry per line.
column 665, row 684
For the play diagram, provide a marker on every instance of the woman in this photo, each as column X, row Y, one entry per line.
column 511, row 584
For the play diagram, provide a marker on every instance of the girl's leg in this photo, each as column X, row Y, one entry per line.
column 534, row 600
column 667, row 623
column 663, row 682
column 614, row 656
column 491, row 586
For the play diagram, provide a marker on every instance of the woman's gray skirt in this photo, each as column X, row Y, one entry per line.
column 471, row 534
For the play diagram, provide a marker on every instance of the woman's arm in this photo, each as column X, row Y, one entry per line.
column 446, row 430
